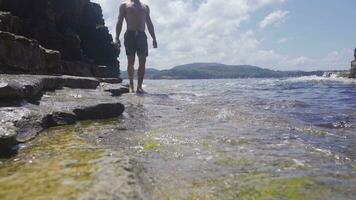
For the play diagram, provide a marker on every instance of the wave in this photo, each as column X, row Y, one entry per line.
column 338, row 125
column 315, row 78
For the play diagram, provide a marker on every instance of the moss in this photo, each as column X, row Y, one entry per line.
column 230, row 161
column 151, row 145
column 90, row 123
column 311, row 131
column 200, row 197
column 296, row 188
column 353, row 165
column 255, row 186
column 58, row 165
column 286, row 163
column 207, row 146
column 149, row 142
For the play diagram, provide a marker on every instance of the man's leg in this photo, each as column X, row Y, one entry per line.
column 131, row 71
column 141, row 72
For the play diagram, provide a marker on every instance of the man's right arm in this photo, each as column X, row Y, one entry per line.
column 120, row 21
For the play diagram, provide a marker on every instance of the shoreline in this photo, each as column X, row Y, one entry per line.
column 34, row 103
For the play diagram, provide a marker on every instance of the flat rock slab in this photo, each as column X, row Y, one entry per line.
column 115, row 89
column 110, row 80
column 56, row 107
column 27, row 86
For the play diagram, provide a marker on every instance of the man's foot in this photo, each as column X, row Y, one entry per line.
column 132, row 90
column 140, row 91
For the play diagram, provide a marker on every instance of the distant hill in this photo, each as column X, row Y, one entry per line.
column 220, row 71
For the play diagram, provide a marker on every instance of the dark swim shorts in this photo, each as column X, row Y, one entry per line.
column 136, row 42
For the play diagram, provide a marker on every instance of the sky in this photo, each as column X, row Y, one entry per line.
column 276, row 34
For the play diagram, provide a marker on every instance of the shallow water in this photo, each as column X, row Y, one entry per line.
column 289, row 138
column 248, row 138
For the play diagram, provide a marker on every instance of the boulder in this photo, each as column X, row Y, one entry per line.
column 100, row 111
column 19, row 54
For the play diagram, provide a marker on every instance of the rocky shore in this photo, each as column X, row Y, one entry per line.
column 344, row 74
column 58, row 65
column 353, row 66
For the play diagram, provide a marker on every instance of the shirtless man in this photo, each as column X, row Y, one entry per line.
column 137, row 15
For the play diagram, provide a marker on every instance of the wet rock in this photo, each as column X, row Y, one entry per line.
column 115, row 89
column 30, row 125
column 101, row 111
column 62, row 118
column 125, row 185
column 11, row 90
column 11, row 118
column 55, row 108
column 79, row 82
column 7, row 134
column 19, row 54
column 28, row 86
column 110, row 80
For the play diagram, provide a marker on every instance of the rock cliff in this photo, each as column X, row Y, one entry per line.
column 58, row 65
column 75, row 28
column 353, row 67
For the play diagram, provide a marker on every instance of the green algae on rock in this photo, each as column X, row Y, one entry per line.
column 64, row 163
column 57, row 166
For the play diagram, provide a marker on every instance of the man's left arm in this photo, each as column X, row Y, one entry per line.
column 151, row 28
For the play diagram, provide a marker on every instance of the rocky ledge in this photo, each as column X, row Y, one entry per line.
column 58, row 65
column 31, row 103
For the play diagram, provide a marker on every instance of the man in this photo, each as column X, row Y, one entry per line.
column 136, row 15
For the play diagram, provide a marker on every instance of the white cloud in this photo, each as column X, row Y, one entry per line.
column 282, row 40
column 275, row 18
column 210, row 32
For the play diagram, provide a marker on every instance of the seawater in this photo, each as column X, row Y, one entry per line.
column 289, row 138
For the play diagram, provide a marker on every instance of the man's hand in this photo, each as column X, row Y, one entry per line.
column 154, row 44
column 118, row 43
